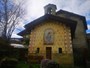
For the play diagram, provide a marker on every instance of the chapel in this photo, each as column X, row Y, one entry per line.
column 57, row 35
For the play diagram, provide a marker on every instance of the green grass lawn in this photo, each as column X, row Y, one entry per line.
column 34, row 65
column 22, row 65
column 26, row 65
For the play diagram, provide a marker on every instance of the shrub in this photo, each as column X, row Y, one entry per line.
column 8, row 63
column 49, row 64
column 3, row 42
column 44, row 63
column 52, row 64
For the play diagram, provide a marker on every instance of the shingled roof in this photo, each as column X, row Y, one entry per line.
column 48, row 17
column 73, row 15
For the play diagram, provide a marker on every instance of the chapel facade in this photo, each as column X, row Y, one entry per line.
column 57, row 35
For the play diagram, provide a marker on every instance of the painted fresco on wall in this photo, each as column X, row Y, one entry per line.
column 48, row 36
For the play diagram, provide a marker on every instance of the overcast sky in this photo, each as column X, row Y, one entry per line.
column 35, row 9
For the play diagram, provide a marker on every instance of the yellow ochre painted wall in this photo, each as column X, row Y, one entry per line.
column 62, row 39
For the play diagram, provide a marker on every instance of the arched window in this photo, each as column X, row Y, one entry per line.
column 48, row 36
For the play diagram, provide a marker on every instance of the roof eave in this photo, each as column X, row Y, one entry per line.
column 30, row 26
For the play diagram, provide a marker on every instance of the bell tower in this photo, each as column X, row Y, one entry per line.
column 50, row 9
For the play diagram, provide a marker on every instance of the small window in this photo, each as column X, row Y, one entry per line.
column 60, row 50
column 38, row 49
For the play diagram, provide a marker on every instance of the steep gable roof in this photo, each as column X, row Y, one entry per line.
column 31, row 25
column 50, row 17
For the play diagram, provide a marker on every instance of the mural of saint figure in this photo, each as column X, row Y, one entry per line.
column 48, row 38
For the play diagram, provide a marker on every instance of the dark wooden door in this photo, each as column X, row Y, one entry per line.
column 48, row 52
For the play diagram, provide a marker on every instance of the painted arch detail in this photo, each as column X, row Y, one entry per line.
column 48, row 36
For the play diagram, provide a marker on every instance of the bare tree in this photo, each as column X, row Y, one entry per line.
column 10, row 14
